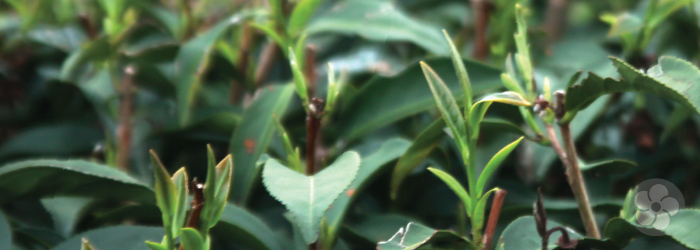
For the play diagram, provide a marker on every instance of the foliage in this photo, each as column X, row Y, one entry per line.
column 347, row 124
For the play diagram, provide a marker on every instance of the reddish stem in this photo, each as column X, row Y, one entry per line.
column 493, row 217
column 124, row 130
column 482, row 13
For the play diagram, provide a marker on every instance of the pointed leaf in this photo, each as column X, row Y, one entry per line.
column 218, row 191
column 242, row 227
column 293, row 158
column 414, row 235
column 75, row 178
column 253, row 135
column 181, row 183
column 455, row 186
column 448, row 108
column 114, row 238
column 166, row 191
column 479, row 108
column 462, row 74
column 672, row 78
column 617, row 166
column 191, row 64
column 191, row 239
column 479, row 215
column 155, row 246
column 420, row 148
column 301, row 15
column 307, row 197
column 299, row 79
column 493, row 164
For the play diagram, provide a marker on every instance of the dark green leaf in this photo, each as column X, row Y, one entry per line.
column 244, row 228
column 115, row 238
column 308, row 197
column 521, row 234
column 455, row 186
column 56, row 140
column 384, row 100
column 5, row 233
column 46, row 178
column 420, row 148
column 683, row 227
column 415, row 235
column 253, row 135
column 608, row 167
column 370, row 167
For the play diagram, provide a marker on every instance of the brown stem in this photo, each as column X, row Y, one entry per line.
column 578, row 186
column 310, row 69
column 88, row 26
column 555, row 21
column 482, row 12
column 493, row 217
column 246, row 42
column 267, row 58
column 196, row 206
column 124, row 129
column 313, row 123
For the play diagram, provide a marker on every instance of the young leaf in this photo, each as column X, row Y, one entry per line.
column 86, row 245
column 181, row 183
column 269, row 30
column 479, row 108
column 493, row 165
column 511, row 84
column 332, row 89
column 616, row 166
column 448, row 108
column 191, row 239
column 455, row 186
column 462, row 74
column 479, row 215
column 155, row 246
column 216, row 191
column 166, row 191
column 293, row 158
column 301, row 15
column 307, row 197
column 672, row 78
column 523, row 55
column 420, row 148
column 299, row 79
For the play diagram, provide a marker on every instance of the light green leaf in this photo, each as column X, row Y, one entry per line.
column 5, row 233
column 607, row 167
column 379, row 21
column 493, row 164
column 62, row 177
column 415, row 235
column 478, row 217
column 455, row 186
column 182, row 186
column 307, row 197
column 523, row 55
column 269, row 30
column 253, row 135
column 370, row 168
column 191, row 239
column 293, row 158
column 114, row 238
column 449, row 109
column 86, row 245
column 166, row 191
column 191, row 64
column 420, row 148
column 216, row 192
column 462, row 74
column 155, row 246
column 242, row 227
column 301, row 15
column 479, row 108
column 384, row 100
column 299, row 79
column 672, row 78
column 515, row 238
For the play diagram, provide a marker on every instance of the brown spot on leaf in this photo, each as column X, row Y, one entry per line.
column 249, row 145
column 350, row 192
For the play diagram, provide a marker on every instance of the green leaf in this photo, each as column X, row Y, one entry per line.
column 523, row 55
column 415, row 235
column 155, row 246
column 384, row 100
column 479, row 108
column 242, row 227
column 167, row 18
column 455, row 186
column 114, row 238
column 608, row 167
column 216, row 192
column 370, row 168
column 181, row 184
column 191, row 239
column 379, row 21
column 299, row 79
column 67, row 39
column 5, row 233
column 86, row 245
column 269, row 29
column 478, row 217
column 515, row 237
column 293, row 158
column 307, row 197
column 672, row 78
column 679, row 115
column 449, row 109
column 462, row 74
column 301, row 15
column 166, row 191
column 75, row 178
column 65, row 212
column 57, row 140
column 682, row 228
column 253, row 135
column 498, row 125
column 191, row 64
column 420, row 148
column 493, row 164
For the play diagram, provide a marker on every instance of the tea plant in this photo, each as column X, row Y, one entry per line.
column 349, row 124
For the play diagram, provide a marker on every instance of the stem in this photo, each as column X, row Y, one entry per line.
column 482, row 11
column 555, row 21
column 578, row 186
column 246, row 41
column 312, row 125
column 310, row 69
column 493, row 217
column 124, row 129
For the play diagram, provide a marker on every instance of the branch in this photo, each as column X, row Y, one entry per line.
column 482, row 13
column 124, row 129
column 493, row 217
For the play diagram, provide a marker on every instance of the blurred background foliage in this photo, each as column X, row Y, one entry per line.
column 103, row 81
